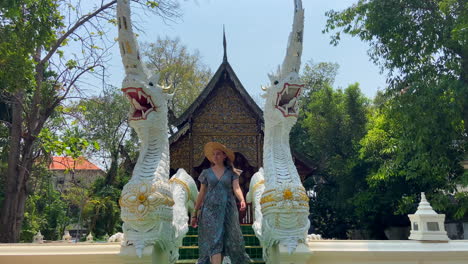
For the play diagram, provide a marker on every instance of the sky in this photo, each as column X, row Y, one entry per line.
column 257, row 33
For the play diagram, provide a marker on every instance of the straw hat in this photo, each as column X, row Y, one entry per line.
column 211, row 146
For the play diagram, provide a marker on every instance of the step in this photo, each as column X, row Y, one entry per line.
column 246, row 230
column 191, row 252
column 194, row 261
column 249, row 239
column 188, row 253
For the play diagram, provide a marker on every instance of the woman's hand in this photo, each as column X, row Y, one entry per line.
column 242, row 206
column 194, row 222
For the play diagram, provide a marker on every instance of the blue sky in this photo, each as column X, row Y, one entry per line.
column 257, row 32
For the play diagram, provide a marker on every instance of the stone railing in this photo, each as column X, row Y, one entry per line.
column 316, row 252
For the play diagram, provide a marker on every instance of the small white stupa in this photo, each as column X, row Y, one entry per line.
column 426, row 224
column 38, row 238
column 66, row 236
column 90, row 238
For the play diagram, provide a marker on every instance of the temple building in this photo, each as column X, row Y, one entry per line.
column 224, row 112
column 69, row 172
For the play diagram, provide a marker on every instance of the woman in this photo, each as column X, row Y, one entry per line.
column 219, row 232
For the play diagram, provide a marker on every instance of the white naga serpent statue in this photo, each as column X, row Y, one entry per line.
column 154, row 209
column 281, row 206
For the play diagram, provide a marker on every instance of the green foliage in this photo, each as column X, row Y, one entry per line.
column 413, row 40
column 416, row 136
column 104, row 117
column 71, row 143
column 180, row 69
column 152, row 4
column 415, row 144
column 328, row 132
column 318, row 75
column 25, row 25
column 405, row 35
column 45, row 210
column 38, row 72
column 102, row 211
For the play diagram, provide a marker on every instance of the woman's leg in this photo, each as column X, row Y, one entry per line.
column 217, row 259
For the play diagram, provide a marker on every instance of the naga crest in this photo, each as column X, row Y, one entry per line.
column 285, row 87
column 148, row 100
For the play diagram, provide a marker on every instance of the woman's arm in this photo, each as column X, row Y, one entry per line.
column 198, row 203
column 238, row 192
column 200, row 197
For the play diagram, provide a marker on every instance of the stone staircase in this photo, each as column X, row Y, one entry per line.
column 188, row 253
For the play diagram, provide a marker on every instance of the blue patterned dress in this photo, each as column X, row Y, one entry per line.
column 218, row 224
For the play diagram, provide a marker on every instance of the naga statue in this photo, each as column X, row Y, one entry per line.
column 256, row 188
column 281, row 205
column 185, row 192
column 154, row 209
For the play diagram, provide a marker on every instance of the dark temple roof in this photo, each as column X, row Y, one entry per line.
column 225, row 73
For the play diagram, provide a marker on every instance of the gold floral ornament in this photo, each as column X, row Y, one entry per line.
column 141, row 198
column 287, row 194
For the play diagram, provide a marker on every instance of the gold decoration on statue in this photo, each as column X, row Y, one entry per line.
column 295, row 195
column 142, row 198
column 267, row 199
column 182, row 183
column 287, row 194
column 258, row 184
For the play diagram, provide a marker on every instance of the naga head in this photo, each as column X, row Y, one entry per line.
column 148, row 100
column 282, row 98
column 282, row 95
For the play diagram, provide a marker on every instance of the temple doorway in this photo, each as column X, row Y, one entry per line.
column 240, row 163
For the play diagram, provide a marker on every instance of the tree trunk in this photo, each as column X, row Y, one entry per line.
column 464, row 93
column 10, row 221
column 112, row 173
column 20, row 162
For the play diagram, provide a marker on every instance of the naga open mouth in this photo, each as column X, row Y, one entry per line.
column 286, row 101
column 141, row 103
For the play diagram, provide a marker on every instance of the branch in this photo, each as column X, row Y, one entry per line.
column 80, row 22
column 123, row 136
column 75, row 79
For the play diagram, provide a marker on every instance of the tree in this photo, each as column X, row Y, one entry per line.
column 418, row 135
column 102, row 211
column 45, row 210
column 333, row 124
column 38, row 71
column 316, row 77
column 414, row 144
column 413, row 40
column 104, row 118
column 179, row 69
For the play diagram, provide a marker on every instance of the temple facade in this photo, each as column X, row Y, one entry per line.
column 224, row 112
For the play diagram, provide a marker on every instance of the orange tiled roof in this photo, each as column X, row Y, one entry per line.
column 64, row 163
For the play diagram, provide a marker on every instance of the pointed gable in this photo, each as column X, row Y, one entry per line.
column 223, row 112
column 224, row 77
